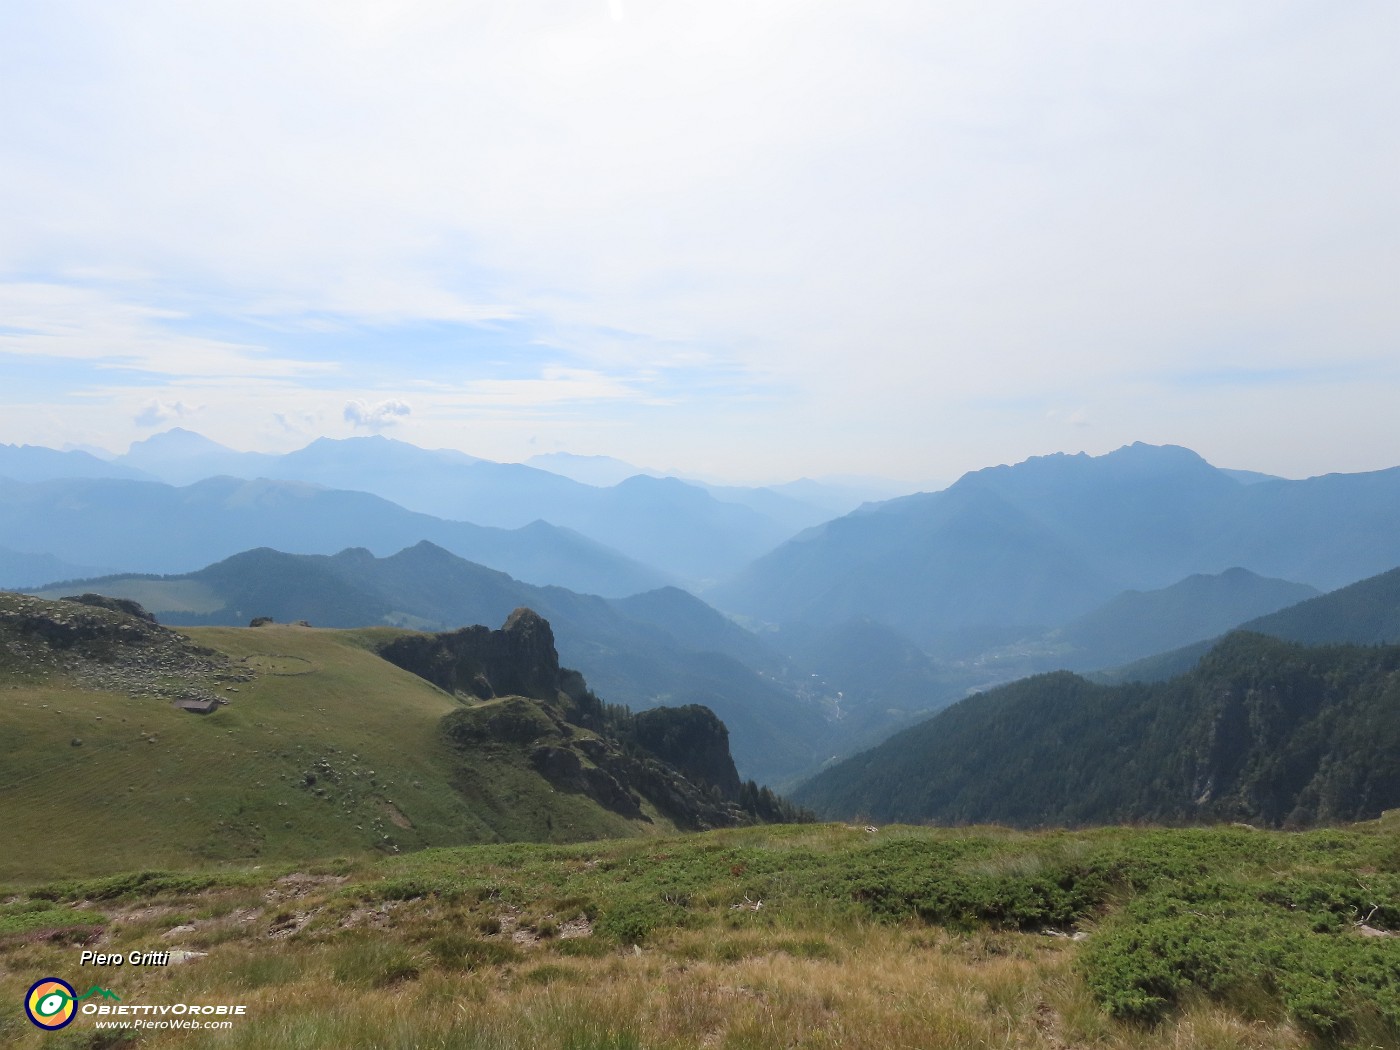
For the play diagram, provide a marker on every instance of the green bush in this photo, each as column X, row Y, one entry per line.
column 632, row 921
column 1227, row 942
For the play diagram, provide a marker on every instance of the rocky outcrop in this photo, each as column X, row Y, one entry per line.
column 518, row 660
column 103, row 644
column 674, row 761
column 693, row 741
column 97, row 631
column 121, row 605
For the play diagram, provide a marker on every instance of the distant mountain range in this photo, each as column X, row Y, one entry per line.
column 1009, row 551
column 36, row 463
column 20, row 569
column 1137, row 623
column 1003, row 555
column 850, row 629
column 685, row 531
column 147, row 526
column 1365, row 613
column 1140, row 624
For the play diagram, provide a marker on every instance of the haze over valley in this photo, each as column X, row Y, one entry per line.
column 811, row 633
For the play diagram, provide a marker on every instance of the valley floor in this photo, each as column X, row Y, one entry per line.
column 808, row 936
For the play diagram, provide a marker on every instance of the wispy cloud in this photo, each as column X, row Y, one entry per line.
column 376, row 416
column 885, row 213
column 46, row 321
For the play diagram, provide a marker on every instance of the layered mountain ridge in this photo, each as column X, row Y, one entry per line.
column 1034, row 546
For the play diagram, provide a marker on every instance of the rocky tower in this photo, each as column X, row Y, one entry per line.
column 518, row 660
column 675, row 759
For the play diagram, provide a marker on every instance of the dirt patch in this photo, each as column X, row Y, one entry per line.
column 75, row 935
column 509, row 920
column 396, row 816
column 139, row 913
column 1050, row 1024
column 526, row 937
column 242, row 916
column 374, row 917
column 297, row 885
column 290, row 924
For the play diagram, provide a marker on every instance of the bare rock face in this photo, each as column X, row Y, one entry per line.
column 518, row 660
column 563, row 767
column 675, row 759
column 692, row 740
column 525, row 661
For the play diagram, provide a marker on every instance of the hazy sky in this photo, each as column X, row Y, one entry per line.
column 758, row 238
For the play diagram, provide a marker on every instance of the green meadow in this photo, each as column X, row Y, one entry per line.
column 796, row 936
column 323, row 749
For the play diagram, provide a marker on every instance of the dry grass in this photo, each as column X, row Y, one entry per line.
column 863, row 986
column 507, row 948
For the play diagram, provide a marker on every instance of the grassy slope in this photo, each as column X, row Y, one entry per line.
column 154, row 786
column 1206, row 938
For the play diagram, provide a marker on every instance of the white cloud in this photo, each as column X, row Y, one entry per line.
column 376, row 416
column 156, row 412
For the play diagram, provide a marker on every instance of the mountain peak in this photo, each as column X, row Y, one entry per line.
column 382, row 451
column 1130, row 463
column 176, row 441
column 1141, row 451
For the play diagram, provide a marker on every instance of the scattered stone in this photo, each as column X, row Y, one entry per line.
column 579, row 927
column 103, row 644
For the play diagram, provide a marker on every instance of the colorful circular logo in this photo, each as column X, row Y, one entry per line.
column 51, row 1004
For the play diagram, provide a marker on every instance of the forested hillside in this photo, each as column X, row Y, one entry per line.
column 1263, row 731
